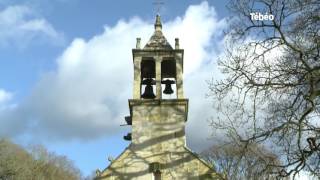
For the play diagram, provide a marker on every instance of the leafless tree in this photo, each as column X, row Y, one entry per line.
column 270, row 91
column 232, row 161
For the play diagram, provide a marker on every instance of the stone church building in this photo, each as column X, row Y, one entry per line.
column 158, row 113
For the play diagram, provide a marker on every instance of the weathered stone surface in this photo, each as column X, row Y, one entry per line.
column 158, row 137
column 181, row 164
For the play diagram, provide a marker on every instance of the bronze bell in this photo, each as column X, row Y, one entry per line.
column 168, row 89
column 148, row 91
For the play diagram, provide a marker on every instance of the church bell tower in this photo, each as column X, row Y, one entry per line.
column 158, row 113
column 157, row 64
column 158, row 107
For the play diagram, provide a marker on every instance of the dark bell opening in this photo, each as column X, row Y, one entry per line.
column 168, row 68
column 148, row 69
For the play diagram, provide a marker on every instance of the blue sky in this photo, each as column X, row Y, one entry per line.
column 61, row 61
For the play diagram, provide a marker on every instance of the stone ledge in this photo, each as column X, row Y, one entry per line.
column 157, row 102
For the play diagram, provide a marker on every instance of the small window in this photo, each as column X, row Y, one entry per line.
column 157, row 175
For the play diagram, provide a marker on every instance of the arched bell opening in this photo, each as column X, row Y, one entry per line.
column 148, row 75
column 168, row 78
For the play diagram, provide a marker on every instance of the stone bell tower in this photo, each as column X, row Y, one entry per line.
column 158, row 113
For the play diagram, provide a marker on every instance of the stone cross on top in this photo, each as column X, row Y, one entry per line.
column 158, row 4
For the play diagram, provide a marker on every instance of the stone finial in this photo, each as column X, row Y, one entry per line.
column 157, row 40
column 98, row 172
column 177, row 45
column 110, row 159
column 158, row 24
column 138, row 44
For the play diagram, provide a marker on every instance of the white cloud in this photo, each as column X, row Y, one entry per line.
column 20, row 25
column 7, row 115
column 5, row 96
column 87, row 95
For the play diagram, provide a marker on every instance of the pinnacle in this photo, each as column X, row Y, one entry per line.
column 158, row 24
